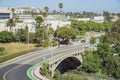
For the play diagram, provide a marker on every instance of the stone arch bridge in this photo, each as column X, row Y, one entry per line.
column 67, row 60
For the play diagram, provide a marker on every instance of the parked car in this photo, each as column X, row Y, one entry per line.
column 66, row 41
column 83, row 41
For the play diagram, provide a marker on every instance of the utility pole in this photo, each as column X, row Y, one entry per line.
column 28, row 37
column 58, row 31
column 90, row 38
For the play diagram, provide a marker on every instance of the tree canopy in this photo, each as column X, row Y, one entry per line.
column 66, row 32
column 113, row 34
column 6, row 37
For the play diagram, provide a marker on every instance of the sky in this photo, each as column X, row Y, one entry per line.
column 68, row 5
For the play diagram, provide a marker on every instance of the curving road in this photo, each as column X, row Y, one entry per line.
column 16, row 69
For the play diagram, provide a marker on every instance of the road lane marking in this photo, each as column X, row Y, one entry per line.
column 4, row 76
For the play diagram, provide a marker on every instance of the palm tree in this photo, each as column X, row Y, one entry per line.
column 32, row 14
column 46, row 9
column 54, row 11
column 44, row 14
column 106, row 14
column 10, row 23
column 13, row 10
column 60, row 6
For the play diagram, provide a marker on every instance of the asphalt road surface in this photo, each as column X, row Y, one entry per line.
column 16, row 69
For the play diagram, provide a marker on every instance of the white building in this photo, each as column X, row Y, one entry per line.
column 114, row 18
column 83, row 19
column 26, row 23
column 30, row 24
column 56, row 23
column 24, row 18
column 5, row 13
column 98, row 19
column 58, row 20
column 3, row 26
column 23, row 13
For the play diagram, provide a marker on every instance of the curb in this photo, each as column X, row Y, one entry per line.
column 31, row 72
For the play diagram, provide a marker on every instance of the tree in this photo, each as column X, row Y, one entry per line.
column 13, row 10
column 92, row 40
column 104, row 49
column 10, row 23
column 51, row 31
column 112, row 66
column 44, row 70
column 46, row 27
column 113, row 33
column 60, row 6
column 39, row 35
column 54, row 12
column 22, row 34
column 91, row 62
column 6, row 37
column 57, row 75
column 46, row 9
column 32, row 14
column 117, row 48
column 106, row 14
column 39, row 20
column 66, row 33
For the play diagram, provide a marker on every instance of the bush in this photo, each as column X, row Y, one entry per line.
column 54, row 43
column 6, row 37
column 45, row 44
column 2, row 49
column 92, row 40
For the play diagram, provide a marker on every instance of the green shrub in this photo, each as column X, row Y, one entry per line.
column 2, row 49
column 45, row 44
column 92, row 40
column 54, row 43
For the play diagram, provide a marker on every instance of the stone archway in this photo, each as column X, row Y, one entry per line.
column 68, row 64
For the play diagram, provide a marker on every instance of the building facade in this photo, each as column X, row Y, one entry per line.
column 98, row 19
column 5, row 13
column 23, row 18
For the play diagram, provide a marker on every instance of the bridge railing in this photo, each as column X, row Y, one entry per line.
column 66, row 54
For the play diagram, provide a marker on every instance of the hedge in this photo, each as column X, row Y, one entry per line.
column 13, row 55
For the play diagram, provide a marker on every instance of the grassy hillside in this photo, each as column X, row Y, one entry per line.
column 16, row 47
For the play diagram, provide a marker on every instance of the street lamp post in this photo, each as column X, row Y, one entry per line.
column 58, row 30
column 28, row 37
column 90, row 38
column 50, row 44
